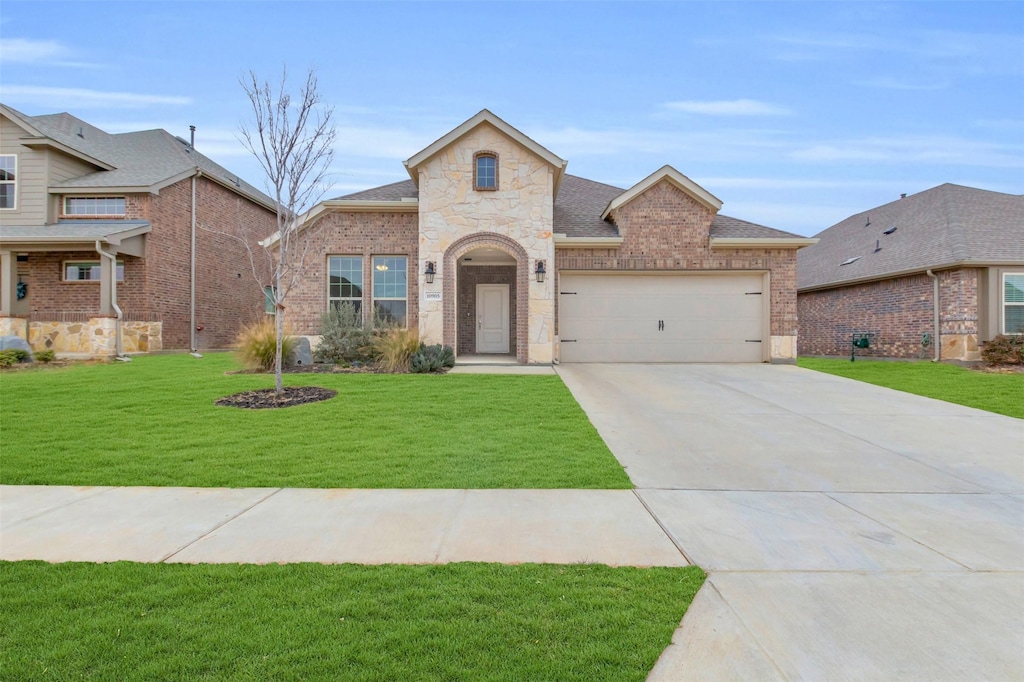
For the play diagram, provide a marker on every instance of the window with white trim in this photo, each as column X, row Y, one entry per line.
column 8, row 180
column 1013, row 303
column 269, row 300
column 390, row 289
column 345, row 282
column 88, row 271
column 94, row 206
column 485, row 171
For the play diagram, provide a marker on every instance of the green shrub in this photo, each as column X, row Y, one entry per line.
column 10, row 357
column 257, row 345
column 45, row 356
column 393, row 348
column 431, row 359
column 344, row 339
column 1004, row 350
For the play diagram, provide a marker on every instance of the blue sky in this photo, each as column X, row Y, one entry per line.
column 795, row 114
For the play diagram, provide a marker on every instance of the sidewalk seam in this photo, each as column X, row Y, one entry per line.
column 218, row 526
column 664, row 529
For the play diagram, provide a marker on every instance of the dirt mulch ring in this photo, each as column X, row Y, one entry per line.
column 318, row 368
column 999, row 369
column 267, row 398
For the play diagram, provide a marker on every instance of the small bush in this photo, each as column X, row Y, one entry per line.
column 343, row 339
column 10, row 357
column 257, row 345
column 1004, row 350
column 431, row 359
column 45, row 356
column 394, row 347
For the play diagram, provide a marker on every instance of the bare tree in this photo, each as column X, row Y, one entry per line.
column 293, row 141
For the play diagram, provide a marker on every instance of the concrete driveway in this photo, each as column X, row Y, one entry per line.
column 850, row 532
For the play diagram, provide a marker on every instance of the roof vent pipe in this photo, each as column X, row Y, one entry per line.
column 192, row 139
column 903, row 195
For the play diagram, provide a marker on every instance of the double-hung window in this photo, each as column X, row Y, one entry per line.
column 1013, row 303
column 8, row 180
column 390, row 289
column 88, row 271
column 94, row 206
column 346, row 282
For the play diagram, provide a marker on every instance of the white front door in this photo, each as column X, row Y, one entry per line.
column 492, row 318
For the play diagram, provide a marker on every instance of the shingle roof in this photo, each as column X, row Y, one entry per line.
column 944, row 226
column 578, row 208
column 140, row 159
column 77, row 230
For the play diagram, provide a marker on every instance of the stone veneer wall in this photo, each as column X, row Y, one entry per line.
column 95, row 336
column 899, row 312
column 469, row 277
column 665, row 229
column 520, row 210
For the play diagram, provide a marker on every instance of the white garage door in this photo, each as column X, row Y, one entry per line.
column 661, row 318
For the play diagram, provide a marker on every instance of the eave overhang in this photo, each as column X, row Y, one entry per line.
column 565, row 242
column 762, row 242
column 867, row 279
column 348, row 206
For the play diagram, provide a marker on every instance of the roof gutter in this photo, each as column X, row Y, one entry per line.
column 118, row 349
column 936, row 339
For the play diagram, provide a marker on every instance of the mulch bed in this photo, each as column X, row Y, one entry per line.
column 267, row 398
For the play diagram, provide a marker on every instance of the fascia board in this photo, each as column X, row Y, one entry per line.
column 762, row 242
column 907, row 273
column 587, row 242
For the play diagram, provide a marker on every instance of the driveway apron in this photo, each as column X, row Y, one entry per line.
column 850, row 532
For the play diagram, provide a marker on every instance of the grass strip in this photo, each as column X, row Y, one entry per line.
column 153, row 422
column 129, row 621
column 993, row 392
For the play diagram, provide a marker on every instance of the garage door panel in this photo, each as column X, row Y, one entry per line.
column 615, row 318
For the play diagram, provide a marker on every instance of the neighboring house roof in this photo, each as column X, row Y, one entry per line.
column 578, row 209
column 946, row 226
column 73, row 234
column 144, row 161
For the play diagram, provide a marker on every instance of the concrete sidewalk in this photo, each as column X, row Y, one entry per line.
column 274, row 525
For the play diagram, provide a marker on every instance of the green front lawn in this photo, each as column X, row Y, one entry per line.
column 126, row 621
column 999, row 393
column 153, row 422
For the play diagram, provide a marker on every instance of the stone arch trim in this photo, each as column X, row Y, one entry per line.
column 522, row 302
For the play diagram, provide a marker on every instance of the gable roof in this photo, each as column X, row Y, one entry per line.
column 485, row 116
column 946, row 226
column 688, row 187
column 577, row 210
column 144, row 161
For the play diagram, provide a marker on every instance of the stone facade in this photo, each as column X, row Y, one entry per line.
column 93, row 336
column 899, row 313
column 520, row 210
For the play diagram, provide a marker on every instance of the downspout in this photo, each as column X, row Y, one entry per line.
column 119, row 351
column 937, row 342
column 192, row 272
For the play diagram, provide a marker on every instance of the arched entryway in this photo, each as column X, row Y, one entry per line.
column 485, row 265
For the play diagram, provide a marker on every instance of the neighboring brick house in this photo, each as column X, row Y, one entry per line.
column 74, row 200
column 493, row 249
column 932, row 274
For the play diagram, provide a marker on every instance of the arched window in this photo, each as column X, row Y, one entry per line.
column 485, row 171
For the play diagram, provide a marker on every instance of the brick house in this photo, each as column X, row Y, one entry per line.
column 931, row 275
column 75, row 200
column 493, row 249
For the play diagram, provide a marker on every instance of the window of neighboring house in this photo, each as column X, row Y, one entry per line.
column 269, row 303
column 345, row 284
column 390, row 285
column 485, row 171
column 8, row 180
column 1013, row 303
column 78, row 206
column 88, row 271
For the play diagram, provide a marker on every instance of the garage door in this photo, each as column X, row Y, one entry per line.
column 661, row 318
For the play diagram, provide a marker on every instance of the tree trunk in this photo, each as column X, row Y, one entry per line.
column 279, row 337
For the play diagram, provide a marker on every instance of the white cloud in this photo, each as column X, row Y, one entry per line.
column 915, row 149
column 735, row 107
column 48, row 52
column 789, row 183
column 81, row 98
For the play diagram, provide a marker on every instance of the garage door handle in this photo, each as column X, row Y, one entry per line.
column 753, row 340
column 661, row 325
